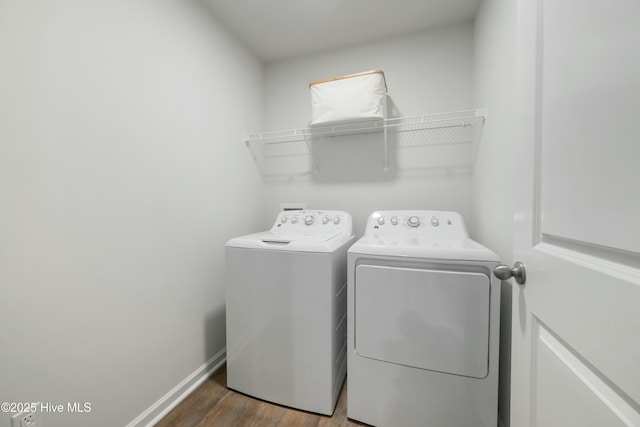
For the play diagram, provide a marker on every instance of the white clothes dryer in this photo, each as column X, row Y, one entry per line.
column 286, row 310
column 423, row 323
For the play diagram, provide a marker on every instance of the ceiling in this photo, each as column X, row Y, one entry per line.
column 277, row 29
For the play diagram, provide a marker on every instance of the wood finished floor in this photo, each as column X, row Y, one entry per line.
column 213, row 404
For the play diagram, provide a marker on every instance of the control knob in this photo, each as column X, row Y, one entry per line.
column 336, row 220
column 394, row 220
column 325, row 220
column 381, row 221
column 435, row 222
column 308, row 219
column 294, row 220
column 413, row 221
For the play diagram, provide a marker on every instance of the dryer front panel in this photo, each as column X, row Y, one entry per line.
column 427, row 319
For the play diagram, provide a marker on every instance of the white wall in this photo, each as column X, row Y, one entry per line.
column 494, row 78
column 427, row 72
column 121, row 161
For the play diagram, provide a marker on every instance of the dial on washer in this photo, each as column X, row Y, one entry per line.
column 413, row 221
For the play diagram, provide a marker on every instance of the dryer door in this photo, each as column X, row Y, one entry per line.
column 427, row 319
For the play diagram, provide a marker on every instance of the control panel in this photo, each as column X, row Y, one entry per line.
column 312, row 221
column 416, row 222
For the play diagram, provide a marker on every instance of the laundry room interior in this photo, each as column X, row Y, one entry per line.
column 126, row 165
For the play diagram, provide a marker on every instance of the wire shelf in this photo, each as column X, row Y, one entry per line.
column 460, row 127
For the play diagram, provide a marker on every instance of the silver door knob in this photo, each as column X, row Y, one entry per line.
column 518, row 272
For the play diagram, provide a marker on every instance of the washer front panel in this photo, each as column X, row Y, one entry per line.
column 427, row 319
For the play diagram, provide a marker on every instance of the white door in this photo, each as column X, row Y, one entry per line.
column 576, row 320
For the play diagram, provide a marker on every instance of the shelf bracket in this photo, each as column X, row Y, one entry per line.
column 386, row 151
column 313, row 160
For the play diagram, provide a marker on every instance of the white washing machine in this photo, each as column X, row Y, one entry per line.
column 286, row 306
column 423, row 315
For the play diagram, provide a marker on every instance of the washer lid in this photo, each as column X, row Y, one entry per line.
column 294, row 242
column 301, row 231
column 449, row 248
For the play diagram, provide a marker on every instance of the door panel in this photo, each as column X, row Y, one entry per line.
column 590, row 142
column 428, row 319
column 560, row 373
column 575, row 351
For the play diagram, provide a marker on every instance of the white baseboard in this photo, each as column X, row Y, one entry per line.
column 166, row 403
